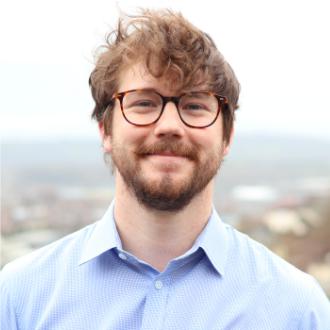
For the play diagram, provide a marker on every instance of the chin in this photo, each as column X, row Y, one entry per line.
column 166, row 178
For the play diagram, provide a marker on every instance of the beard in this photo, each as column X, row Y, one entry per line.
column 166, row 193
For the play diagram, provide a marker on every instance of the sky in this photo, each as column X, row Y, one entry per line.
column 279, row 50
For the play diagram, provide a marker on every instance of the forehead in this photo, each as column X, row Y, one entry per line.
column 137, row 76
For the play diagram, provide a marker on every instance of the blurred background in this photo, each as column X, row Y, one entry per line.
column 275, row 183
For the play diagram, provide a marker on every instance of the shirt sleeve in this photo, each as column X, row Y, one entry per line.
column 8, row 319
column 317, row 313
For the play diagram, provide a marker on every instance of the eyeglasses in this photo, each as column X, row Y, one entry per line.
column 143, row 107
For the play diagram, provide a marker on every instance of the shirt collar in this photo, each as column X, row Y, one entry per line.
column 213, row 240
column 103, row 237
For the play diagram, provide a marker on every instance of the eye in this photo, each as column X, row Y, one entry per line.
column 194, row 106
column 198, row 104
column 144, row 103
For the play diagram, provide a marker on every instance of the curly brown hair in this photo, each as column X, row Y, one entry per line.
column 170, row 47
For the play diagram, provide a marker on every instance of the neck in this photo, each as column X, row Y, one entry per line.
column 157, row 237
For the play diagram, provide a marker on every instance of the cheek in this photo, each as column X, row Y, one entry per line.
column 211, row 144
column 127, row 135
column 134, row 136
column 207, row 139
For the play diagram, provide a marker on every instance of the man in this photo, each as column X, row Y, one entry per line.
column 161, row 258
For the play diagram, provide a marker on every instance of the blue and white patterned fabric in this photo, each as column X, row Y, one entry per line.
column 225, row 281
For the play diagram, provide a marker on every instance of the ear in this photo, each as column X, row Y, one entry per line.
column 106, row 139
column 228, row 144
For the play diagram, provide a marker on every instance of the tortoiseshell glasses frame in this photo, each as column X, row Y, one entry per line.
column 149, row 105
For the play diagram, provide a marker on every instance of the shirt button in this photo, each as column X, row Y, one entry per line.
column 158, row 284
column 122, row 256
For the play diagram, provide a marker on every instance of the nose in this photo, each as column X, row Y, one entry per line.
column 169, row 123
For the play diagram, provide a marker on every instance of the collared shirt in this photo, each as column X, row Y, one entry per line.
column 225, row 281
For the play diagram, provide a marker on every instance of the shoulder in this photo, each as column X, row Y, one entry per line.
column 46, row 261
column 260, row 262
column 280, row 286
column 28, row 284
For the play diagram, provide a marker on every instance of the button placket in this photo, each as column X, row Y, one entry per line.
column 156, row 304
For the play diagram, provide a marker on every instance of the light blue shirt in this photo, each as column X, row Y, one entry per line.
column 225, row 281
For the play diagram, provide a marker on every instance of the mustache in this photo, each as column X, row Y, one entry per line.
column 169, row 145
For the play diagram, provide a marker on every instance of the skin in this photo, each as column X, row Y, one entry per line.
column 154, row 236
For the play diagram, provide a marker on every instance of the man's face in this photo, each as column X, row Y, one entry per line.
column 165, row 165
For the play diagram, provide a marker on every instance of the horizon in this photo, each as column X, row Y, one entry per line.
column 95, row 138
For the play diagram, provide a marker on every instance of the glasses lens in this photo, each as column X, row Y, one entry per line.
column 198, row 109
column 142, row 107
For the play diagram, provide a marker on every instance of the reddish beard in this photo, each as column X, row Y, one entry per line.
column 166, row 194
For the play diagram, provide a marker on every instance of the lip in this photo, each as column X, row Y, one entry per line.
column 166, row 162
column 165, row 155
column 166, row 158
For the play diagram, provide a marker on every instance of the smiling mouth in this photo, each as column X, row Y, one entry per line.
column 167, row 162
column 165, row 155
column 170, row 151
